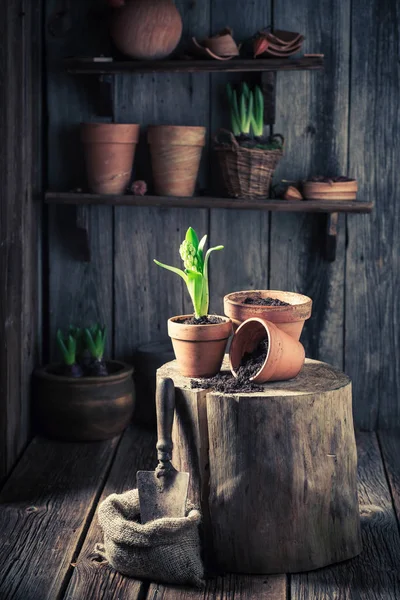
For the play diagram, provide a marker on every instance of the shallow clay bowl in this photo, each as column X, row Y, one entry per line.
column 287, row 318
column 330, row 190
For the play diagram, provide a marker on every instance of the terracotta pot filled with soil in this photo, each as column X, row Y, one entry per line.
column 287, row 310
column 199, row 344
column 146, row 29
column 326, row 188
column 84, row 408
column 175, row 157
column 109, row 152
column 261, row 352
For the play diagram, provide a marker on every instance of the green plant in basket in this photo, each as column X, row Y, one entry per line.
column 195, row 273
column 247, row 118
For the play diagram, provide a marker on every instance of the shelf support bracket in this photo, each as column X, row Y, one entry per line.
column 83, row 227
column 331, row 237
column 268, row 86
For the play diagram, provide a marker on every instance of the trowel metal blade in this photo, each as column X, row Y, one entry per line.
column 162, row 495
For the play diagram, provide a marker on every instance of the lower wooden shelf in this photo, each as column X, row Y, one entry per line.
column 310, row 206
column 329, row 207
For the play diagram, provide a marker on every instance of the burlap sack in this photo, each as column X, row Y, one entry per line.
column 164, row 550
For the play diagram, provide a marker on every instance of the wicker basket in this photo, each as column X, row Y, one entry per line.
column 246, row 172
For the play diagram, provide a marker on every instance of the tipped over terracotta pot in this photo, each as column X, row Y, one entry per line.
column 285, row 355
column 109, row 152
column 199, row 349
column 289, row 319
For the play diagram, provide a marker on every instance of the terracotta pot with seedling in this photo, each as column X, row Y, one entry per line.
column 85, row 398
column 247, row 158
column 199, row 340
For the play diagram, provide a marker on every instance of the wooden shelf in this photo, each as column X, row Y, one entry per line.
column 89, row 66
column 309, row 206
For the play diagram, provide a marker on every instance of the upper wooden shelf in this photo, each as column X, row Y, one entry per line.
column 88, row 66
column 310, row 206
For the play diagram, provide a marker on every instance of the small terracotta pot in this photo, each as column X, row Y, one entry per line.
column 175, row 156
column 289, row 319
column 110, row 152
column 285, row 357
column 199, row 349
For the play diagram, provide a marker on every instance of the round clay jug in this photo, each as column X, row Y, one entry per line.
column 147, row 29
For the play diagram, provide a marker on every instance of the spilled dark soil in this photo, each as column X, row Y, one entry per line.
column 250, row 364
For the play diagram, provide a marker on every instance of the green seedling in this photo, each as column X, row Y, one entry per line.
column 95, row 339
column 195, row 274
column 67, row 346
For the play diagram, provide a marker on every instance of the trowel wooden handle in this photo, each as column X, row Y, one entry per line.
column 165, row 405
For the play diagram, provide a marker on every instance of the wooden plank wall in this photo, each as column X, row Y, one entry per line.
column 20, row 211
column 344, row 120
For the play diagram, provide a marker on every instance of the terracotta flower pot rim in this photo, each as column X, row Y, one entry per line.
column 306, row 301
column 175, row 329
column 265, row 325
column 91, row 133
column 176, row 135
column 124, row 370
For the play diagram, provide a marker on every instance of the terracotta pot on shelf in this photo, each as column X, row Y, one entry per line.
column 285, row 356
column 147, row 29
column 84, row 409
column 175, row 157
column 199, row 349
column 289, row 319
column 109, row 152
column 330, row 190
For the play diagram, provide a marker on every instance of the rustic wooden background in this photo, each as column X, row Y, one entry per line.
column 343, row 121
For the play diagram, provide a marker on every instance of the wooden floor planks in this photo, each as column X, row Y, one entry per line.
column 390, row 446
column 93, row 580
column 45, row 508
column 48, row 532
column 231, row 587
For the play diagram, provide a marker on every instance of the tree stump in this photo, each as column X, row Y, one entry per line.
column 275, row 472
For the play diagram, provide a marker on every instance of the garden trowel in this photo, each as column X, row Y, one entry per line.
column 163, row 492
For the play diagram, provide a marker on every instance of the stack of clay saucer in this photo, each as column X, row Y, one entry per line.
column 221, row 46
column 279, row 44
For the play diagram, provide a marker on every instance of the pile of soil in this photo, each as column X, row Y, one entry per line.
column 258, row 301
column 322, row 179
column 249, row 365
column 201, row 321
column 226, row 384
column 252, row 362
column 260, row 142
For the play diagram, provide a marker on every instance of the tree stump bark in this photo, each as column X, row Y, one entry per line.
column 275, row 472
